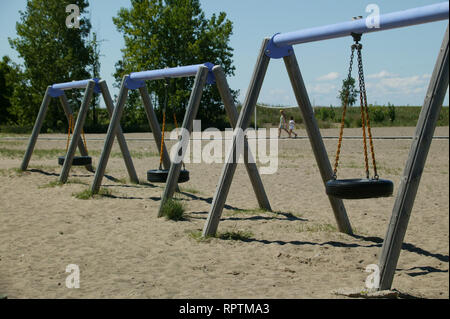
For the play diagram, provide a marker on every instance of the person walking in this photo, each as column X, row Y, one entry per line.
column 282, row 125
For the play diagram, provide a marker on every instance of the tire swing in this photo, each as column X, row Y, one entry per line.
column 77, row 160
column 160, row 175
column 358, row 188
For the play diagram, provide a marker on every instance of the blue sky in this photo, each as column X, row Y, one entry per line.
column 398, row 63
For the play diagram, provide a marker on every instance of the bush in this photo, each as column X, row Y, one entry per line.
column 377, row 114
column 347, row 122
column 391, row 112
column 325, row 113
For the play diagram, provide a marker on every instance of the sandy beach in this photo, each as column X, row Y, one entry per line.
column 124, row 251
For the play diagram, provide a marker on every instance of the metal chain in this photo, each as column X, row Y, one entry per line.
column 69, row 131
column 365, row 119
column 361, row 99
column 344, row 111
column 161, row 152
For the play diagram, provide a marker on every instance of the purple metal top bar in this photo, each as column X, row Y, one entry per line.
column 430, row 13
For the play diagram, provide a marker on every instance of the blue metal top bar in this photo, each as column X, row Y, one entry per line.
column 72, row 85
column 58, row 88
column 387, row 21
column 178, row 72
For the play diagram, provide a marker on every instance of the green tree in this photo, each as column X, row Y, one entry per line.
column 51, row 53
column 348, row 93
column 95, row 73
column 9, row 75
column 391, row 112
column 170, row 33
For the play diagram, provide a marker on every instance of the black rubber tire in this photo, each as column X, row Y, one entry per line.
column 160, row 176
column 359, row 188
column 77, row 160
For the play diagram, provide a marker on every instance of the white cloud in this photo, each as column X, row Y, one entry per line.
column 277, row 96
column 380, row 75
column 398, row 85
column 401, row 83
column 322, row 88
column 328, row 77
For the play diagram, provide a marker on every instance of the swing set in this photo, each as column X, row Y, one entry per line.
column 75, row 128
column 280, row 46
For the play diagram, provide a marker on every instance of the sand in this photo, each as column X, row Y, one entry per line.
column 124, row 251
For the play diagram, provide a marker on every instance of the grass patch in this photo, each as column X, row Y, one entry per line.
column 121, row 180
column 288, row 215
column 197, row 236
column 39, row 153
column 11, row 153
column 254, row 211
column 51, row 184
column 328, row 228
column 88, row 194
column 44, row 167
column 12, row 142
column 136, row 154
column 173, row 209
column 11, row 172
column 58, row 183
column 189, row 190
column 235, row 235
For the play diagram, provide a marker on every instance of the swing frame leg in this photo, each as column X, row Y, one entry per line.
column 109, row 140
column 191, row 112
column 228, row 170
column 119, row 134
column 415, row 164
column 77, row 132
column 36, row 129
column 249, row 161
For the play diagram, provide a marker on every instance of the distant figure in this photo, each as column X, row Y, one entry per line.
column 282, row 125
column 292, row 127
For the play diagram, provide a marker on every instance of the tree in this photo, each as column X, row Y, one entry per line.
column 9, row 75
column 348, row 93
column 52, row 53
column 391, row 112
column 170, row 33
column 95, row 71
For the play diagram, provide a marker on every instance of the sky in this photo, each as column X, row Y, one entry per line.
column 397, row 63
